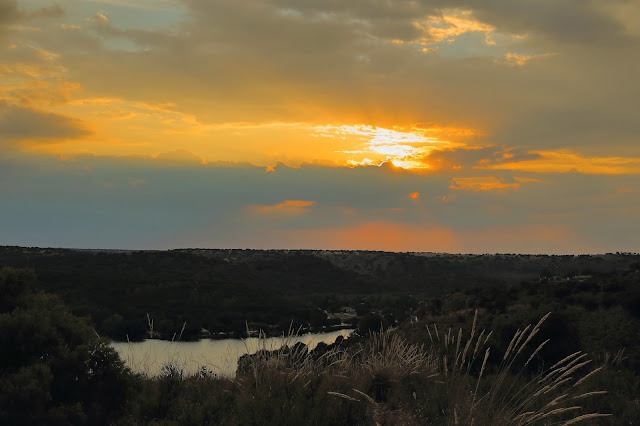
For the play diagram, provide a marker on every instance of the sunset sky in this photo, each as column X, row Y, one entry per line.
column 457, row 126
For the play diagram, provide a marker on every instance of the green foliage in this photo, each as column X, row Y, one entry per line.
column 591, row 314
column 53, row 368
column 117, row 289
column 14, row 287
column 220, row 289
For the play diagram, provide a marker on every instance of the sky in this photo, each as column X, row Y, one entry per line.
column 458, row 126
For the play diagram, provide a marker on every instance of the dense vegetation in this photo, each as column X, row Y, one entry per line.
column 53, row 368
column 219, row 290
column 435, row 368
column 594, row 314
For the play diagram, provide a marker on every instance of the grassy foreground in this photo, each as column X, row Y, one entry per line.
column 384, row 379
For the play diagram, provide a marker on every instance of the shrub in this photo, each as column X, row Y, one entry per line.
column 53, row 368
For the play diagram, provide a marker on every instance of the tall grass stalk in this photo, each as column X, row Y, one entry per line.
column 269, row 364
column 511, row 398
column 457, row 371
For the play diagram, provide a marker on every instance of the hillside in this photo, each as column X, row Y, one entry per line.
column 221, row 289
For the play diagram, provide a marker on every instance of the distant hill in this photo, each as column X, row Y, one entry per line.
column 221, row 289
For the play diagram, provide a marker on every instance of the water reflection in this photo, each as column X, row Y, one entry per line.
column 218, row 356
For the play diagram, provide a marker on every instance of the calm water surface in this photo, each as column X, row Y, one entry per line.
column 218, row 356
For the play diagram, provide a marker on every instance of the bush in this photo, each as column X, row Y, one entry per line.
column 53, row 368
column 370, row 323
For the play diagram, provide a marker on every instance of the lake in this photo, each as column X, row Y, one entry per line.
column 218, row 356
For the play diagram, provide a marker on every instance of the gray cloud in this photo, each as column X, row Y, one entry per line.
column 19, row 123
column 8, row 11
column 467, row 159
column 571, row 21
column 99, row 202
column 53, row 11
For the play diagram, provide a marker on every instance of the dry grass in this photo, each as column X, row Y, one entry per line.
column 508, row 396
column 271, row 364
column 458, row 368
column 493, row 394
column 387, row 351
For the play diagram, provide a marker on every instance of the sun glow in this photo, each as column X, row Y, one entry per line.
column 404, row 148
column 408, row 164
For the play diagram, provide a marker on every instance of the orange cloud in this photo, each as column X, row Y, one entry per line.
column 287, row 207
column 564, row 161
column 485, row 183
column 414, row 195
column 517, row 59
column 450, row 25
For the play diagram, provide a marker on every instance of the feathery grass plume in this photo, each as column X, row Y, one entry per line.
column 511, row 344
column 566, row 359
column 511, row 354
column 445, row 364
column 523, row 388
column 535, row 331
column 182, row 330
column 365, row 396
column 150, row 324
column 535, row 352
column 341, row 395
column 584, row 417
column 475, row 350
column 484, row 364
column 587, row 394
column 473, row 331
column 585, row 378
column 546, row 390
column 388, row 351
column 510, row 397
column 457, row 349
column 271, row 365
column 430, row 338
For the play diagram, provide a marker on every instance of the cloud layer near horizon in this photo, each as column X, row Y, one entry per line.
column 149, row 203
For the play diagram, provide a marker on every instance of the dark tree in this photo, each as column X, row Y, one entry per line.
column 53, row 368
